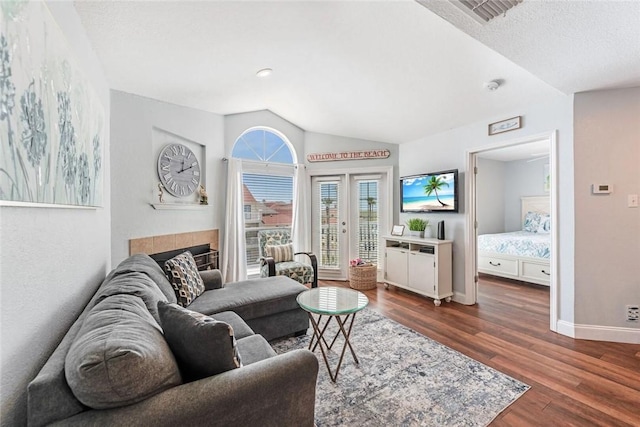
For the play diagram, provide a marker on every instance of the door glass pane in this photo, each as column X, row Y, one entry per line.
column 329, row 224
column 368, row 221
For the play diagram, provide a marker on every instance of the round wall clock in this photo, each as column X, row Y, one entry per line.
column 179, row 170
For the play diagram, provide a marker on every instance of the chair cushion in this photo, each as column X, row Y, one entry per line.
column 119, row 356
column 279, row 253
column 184, row 277
column 202, row 345
column 298, row 271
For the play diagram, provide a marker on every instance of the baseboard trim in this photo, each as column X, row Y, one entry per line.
column 599, row 333
column 461, row 298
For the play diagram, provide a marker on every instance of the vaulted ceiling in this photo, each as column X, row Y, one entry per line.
column 390, row 71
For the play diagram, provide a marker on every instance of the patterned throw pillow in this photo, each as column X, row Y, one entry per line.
column 531, row 222
column 184, row 277
column 280, row 253
column 544, row 227
column 202, row 345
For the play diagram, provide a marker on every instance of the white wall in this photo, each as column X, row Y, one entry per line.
column 447, row 150
column 490, row 195
column 607, row 150
column 323, row 143
column 522, row 178
column 51, row 260
column 134, row 156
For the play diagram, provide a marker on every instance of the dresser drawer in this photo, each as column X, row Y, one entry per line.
column 498, row 265
column 537, row 272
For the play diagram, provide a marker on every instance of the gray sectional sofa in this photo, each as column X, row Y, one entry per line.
column 140, row 382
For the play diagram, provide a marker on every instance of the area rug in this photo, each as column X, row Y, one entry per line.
column 404, row 379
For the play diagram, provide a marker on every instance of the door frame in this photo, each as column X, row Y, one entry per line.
column 471, row 250
column 347, row 172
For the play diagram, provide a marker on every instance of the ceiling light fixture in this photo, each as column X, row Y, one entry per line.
column 492, row 85
column 265, row 72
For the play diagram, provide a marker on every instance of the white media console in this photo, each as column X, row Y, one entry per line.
column 419, row 265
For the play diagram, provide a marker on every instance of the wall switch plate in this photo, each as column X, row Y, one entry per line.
column 632, row 200
column 633, row 313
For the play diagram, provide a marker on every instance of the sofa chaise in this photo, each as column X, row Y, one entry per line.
column 119, row 365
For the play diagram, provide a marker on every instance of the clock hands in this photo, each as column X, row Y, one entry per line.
column 183, row 169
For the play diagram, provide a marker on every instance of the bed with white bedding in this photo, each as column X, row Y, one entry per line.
column 521, row 255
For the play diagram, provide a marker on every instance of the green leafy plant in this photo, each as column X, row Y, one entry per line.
column 417, row 224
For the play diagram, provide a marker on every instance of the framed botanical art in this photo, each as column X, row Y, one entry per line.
column 52, row 123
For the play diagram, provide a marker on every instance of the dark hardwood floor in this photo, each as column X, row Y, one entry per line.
column 573, row 382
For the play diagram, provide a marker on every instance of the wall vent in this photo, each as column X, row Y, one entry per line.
column 484, row 11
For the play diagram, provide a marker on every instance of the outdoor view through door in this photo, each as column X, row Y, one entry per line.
column 267, row 185
column 346, row 221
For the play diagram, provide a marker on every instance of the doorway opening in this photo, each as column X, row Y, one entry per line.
column 512, row 201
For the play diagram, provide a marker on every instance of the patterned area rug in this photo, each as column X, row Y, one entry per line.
column 404, row 379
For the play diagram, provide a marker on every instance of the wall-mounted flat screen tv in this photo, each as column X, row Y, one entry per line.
column 430, row 192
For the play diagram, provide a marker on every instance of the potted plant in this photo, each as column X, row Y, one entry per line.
column 417, row 226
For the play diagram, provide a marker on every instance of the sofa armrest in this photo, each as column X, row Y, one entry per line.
column 212, row 279
column 278, row 391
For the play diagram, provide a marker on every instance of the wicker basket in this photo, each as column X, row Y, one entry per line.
column 363, row 277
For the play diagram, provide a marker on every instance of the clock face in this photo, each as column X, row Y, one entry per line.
column 179, row 170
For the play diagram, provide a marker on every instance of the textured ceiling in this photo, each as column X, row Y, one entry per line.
column 575, row 46
column 388, row 71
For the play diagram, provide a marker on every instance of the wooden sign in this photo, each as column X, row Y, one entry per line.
column 348, row 155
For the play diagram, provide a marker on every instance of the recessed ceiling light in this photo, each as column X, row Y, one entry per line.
column 265, row 72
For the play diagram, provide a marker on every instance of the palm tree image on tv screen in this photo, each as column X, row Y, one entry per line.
column 432, row 192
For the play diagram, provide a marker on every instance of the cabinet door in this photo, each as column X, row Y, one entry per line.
column 422, row 273
column 396, row 268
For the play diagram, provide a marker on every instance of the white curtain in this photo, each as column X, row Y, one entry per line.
column 234, row 257
column 301, row 221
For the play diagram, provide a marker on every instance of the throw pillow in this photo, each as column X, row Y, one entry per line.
column 531, row 222
column 544, row 227
column 202, row 345
column 184, row 277
column 279, row 253
column 119, row 355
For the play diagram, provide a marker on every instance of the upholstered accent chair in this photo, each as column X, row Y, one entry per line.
column 277, row 257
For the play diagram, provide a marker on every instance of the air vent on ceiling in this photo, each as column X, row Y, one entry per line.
column 484, row 11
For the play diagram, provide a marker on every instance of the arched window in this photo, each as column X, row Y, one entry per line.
column 263, row 145
column 267, row 181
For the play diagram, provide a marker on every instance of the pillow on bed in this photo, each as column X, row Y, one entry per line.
column 531, row 222
column 544, row 226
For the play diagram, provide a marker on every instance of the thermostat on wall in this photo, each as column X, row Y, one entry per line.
column 601, row 188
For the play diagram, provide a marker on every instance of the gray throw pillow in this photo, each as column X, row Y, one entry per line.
column 119, row 355
column 202, row 345
column 183, row 274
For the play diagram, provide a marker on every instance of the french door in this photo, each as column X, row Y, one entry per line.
column 349, row 212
